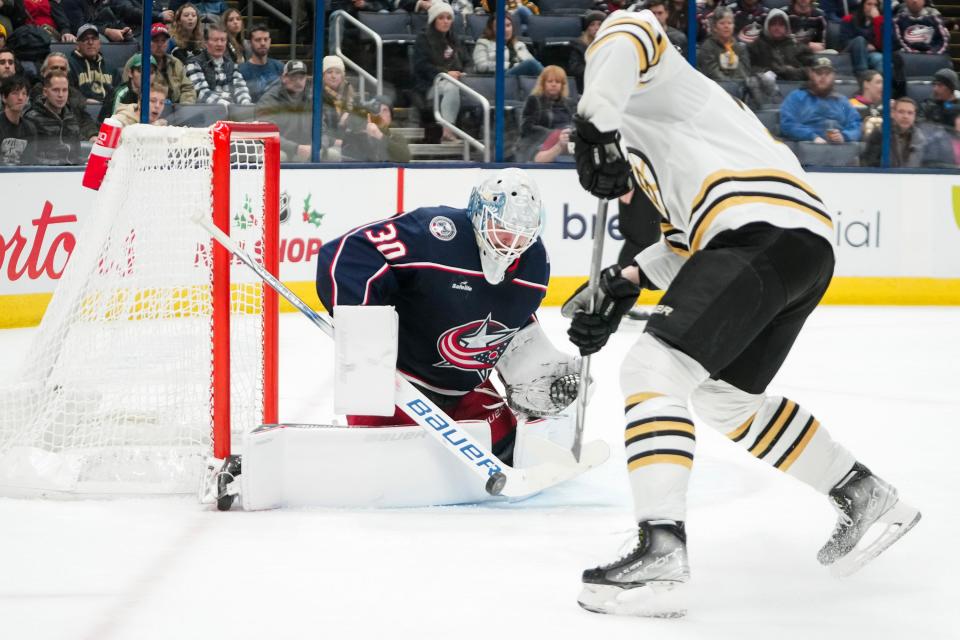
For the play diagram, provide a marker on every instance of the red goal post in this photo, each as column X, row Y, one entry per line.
column 225, row 134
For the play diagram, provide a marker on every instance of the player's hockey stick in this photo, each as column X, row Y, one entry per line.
column 499, row 478
column 593, row 285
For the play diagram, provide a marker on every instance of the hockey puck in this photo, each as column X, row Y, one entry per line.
column 496, row 482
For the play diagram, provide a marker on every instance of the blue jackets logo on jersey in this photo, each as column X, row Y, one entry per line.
column 443, row 228
column 474, row 346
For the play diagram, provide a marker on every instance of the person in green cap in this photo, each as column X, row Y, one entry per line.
column 129, row 91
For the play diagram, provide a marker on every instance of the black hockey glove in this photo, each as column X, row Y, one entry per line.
column 616, row 296
column 602, row 169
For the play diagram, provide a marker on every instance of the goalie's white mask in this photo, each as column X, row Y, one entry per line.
column 507, row 216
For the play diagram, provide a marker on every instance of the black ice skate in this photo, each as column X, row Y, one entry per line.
column 863, row 500
column 647, row 581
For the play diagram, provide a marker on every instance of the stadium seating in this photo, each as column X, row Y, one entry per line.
column 564, row 7
column 242, row 112
column 115, row 54
column 922, row 66
column 842, row 63
column 828, row 155
column 919, row 90
column 391, row 27
column 770, row 119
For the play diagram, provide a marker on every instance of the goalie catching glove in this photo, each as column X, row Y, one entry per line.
column 601, row 166
column 615, row 296
column 540, row 380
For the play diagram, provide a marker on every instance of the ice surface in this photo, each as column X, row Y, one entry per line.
column 884, row 381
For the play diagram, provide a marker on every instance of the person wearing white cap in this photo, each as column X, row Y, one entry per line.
column 437, row 50
column 339, row 103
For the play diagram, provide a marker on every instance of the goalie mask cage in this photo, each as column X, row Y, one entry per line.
column 157, row 343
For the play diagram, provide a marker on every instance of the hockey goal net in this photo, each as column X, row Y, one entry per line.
column 156, row 344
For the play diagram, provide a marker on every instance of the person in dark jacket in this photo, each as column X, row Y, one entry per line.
column 723, row 57
column 18, row 137
column 578, row 48
column 920, row 29
column 59, row 129
column 547, row 118
column 808, row 24
column 87, row 67
column 861, row 34
column 131, row 13
column 100, row 14
column 49, row 16
column 435, row 51
column 909, row 145
column 378, row 142
column 776, row 49
column 942, row 106
column 289, row 105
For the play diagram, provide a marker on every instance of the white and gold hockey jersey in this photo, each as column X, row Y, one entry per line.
column 702, row 156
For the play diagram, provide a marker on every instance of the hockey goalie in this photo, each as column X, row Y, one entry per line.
column 443, row 297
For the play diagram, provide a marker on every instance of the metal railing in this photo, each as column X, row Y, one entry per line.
column 290, row 20
column 483, row 147
column 337, row 19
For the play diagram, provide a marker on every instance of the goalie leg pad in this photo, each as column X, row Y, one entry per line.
column 302, row 465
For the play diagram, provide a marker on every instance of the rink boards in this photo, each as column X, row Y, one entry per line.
column 897, row 235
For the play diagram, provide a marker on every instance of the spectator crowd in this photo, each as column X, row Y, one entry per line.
column 811, row 70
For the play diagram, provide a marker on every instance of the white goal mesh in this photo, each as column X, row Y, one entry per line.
column 116, row 394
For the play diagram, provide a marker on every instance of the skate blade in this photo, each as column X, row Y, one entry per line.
column 656, row 599
column 898, row 520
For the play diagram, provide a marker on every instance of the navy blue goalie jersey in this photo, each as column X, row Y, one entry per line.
column 454, row 325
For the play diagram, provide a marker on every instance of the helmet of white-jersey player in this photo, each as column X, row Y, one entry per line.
column 507, row 215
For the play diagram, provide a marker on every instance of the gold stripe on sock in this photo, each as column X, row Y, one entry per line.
column 801, row 445
column 661, row 458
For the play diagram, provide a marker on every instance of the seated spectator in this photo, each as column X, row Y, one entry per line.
column 231, row 21
column 131, row 13
column 661, row 9
column 517, row 60
column 3, row 36
column 179, row 89
column 943, row 105
column 290, row 106
column 57, row 61
column 128, row 92
column 18, row 137
column 260, row 71
column 547, row 118
column 869, row 101
column 59, row 128
column 749, row 17
column 816, row 113
column 909, row 146
column 378, row 142
column 862, row 35
column 723, row 57
column 87, row 67
column 341, row 115
column 215, row 77
column 578, row 48
column 920, row 29
column 808, row 24
column 776, row 50
column 8, row 64
column 101, row 15
column 130, row 113
column 187, row 34
column 437, row 50
column 49, row 16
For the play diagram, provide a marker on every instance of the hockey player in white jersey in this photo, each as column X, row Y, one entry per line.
column 745, row 259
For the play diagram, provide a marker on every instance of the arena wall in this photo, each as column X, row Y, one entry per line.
column 897, row 235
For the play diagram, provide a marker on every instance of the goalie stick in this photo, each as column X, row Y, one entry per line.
column 498, row 478
column 593, row 285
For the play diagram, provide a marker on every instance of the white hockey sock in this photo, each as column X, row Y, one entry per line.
column 788, row 437
column 659, row 444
